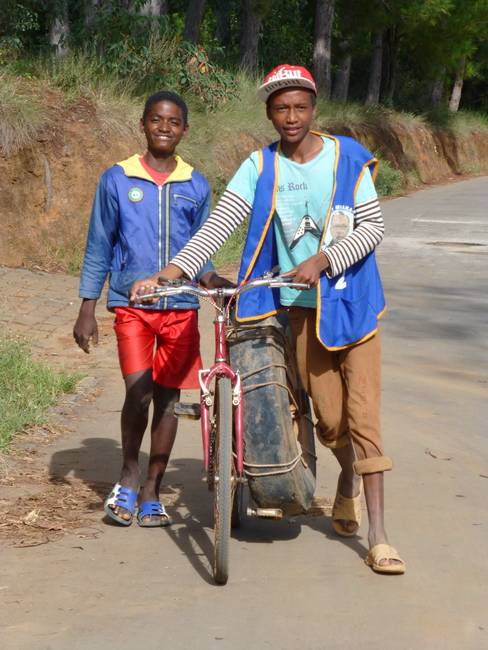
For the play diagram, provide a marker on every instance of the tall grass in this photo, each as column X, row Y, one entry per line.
column 81, row 75
column 21, row 116
column 464, row 122
column 28, row 388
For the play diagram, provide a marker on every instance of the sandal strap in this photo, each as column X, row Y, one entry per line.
column 123, row 497
column 150, row 509
column 384, row 552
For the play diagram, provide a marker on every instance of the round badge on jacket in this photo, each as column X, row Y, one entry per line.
column 135, row 194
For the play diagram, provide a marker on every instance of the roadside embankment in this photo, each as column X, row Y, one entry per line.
column 49, row 182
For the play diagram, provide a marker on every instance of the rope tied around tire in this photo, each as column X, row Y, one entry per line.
column 249, row 388
column 284, row 467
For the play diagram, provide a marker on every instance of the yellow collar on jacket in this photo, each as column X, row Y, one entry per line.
column 132, row 167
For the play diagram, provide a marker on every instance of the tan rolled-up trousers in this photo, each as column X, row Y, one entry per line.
column 345, row 388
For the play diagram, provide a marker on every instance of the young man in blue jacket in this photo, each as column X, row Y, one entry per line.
column 146, row 209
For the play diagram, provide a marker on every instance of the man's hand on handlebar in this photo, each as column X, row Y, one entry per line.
column 143, row 287
column 308, row 272
column 211, row 280
column 171, row 272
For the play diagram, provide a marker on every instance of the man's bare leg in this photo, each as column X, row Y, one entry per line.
column 350, row 484
column 133, row 421
column 374, row 492
column 163, row 433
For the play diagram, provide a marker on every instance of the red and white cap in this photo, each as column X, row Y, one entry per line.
column 283, row 76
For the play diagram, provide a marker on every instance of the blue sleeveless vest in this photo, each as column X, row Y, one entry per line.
column 347, row 312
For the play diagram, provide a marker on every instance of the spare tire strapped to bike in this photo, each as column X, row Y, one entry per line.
column 278, row 428
column 292, row 463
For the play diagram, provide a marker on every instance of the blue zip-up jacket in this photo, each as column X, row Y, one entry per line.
column 345, row 316
column 137, row 227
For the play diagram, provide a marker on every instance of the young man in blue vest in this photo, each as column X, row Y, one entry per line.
column 299, row 191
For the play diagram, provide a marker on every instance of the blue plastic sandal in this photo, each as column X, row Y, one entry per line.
column 123, row 497
column 151, row 509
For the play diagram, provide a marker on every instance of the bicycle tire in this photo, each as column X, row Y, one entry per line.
column 224, row 486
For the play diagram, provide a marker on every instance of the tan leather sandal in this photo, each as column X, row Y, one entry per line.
column 384, row 552
column 348, row 510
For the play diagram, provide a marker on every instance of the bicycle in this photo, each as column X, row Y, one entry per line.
column 223, row 430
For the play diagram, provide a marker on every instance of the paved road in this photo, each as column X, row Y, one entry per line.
column 294, row 584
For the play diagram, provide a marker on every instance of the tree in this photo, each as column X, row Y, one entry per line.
column 154, row 8
column 90, row 13
column 436, row 88
column 249, row 45
column 374, row 84
column 340, row 89
column 59, row 28
column 443, row 43
column 458, row 86
column 324, row 20
column 222, row 17
column 193, row 22
column 391, row 43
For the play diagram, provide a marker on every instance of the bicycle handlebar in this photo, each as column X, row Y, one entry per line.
column 268, row 281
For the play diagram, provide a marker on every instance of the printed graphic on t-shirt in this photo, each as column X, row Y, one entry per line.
column 307, row 225
column 301, row 217
column 340, row 225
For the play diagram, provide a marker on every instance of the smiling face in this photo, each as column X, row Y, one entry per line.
column 291, row 112
column 164, row 127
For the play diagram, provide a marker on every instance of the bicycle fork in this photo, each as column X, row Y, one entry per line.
column 222, row 369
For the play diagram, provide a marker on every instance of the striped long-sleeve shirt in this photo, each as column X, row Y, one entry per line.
column 232, row 209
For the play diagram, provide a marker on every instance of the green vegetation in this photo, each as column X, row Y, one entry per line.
column 410, row 65
column 28, row 388
column 231, row 251
column 409, row 54
column 389, row 181
column 65, row 256
column 466, row 122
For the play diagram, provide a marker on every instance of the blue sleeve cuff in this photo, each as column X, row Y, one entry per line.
column 205, row 269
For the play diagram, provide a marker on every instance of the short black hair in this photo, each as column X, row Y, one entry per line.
column 166, row 96
column 312, row 94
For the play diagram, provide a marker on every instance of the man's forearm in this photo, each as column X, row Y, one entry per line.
column 87, row 307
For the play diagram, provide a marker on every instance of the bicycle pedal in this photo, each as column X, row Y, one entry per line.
column 187, row 410
column 265, row 513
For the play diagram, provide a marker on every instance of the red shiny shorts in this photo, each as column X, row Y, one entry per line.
column 168, row 341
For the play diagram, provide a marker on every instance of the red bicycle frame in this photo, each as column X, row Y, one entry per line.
column 221, row 368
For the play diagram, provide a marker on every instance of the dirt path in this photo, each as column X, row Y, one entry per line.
column 294, row 584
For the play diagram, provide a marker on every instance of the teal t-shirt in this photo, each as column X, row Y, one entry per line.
column 303, row 199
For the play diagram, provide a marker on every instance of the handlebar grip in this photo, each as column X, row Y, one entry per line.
column 286, row 278
column 177, row 282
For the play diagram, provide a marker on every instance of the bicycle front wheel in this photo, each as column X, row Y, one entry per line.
column 224, row 481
